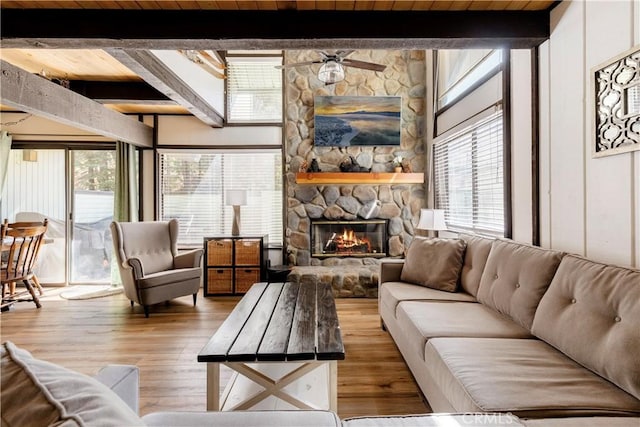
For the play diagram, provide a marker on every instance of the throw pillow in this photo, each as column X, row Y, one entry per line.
column 36, row 393
column 434, row 263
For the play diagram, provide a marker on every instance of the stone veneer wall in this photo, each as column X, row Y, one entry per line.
column 401, row 204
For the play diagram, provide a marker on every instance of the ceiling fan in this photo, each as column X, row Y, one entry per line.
column 332, row 69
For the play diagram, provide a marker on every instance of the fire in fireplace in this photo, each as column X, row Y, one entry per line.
column 365, row 238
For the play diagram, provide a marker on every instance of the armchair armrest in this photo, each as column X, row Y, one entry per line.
column 390, row 271
column 136, row 264
column 124, row 380
column 188, row 259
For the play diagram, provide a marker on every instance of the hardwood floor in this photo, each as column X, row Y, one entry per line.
column 84, row 335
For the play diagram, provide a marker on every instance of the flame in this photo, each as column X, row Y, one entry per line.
column 349, row 240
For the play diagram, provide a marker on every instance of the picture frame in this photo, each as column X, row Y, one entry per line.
column 616, row 91
column 347, row 121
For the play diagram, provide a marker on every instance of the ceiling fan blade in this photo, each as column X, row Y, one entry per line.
column 362, row 64
column 298, row 64
column 343, row 53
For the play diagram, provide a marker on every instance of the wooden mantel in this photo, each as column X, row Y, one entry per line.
column 319, row 178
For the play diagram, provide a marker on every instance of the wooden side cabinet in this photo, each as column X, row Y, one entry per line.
column 233, row 263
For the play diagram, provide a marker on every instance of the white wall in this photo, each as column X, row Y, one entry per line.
column 588, row 206
column 188, row 130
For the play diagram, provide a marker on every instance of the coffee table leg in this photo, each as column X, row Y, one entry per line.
column 213, row 386
column 333, row 385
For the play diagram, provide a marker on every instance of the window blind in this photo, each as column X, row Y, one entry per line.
column 193, row 186
column 469, row 177
column 254, row 90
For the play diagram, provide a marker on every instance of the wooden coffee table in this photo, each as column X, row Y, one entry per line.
column 284, row 340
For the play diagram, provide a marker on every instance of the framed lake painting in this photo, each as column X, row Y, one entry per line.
column 347, row 121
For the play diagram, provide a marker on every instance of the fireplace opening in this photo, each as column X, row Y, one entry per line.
column 362, row 238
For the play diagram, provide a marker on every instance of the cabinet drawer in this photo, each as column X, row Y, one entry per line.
column 219, row 280
column 219, row 252
column 248, row 252
column 245, row 278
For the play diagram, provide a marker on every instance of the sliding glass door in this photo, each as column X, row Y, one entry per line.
column 93, row 173
column 74, row 190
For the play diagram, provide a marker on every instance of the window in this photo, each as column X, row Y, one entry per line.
column 193, row 185
column 254, row 89
column 459, row 70
column 469, row 179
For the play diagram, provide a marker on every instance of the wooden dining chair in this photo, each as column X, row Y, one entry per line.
column 22, row 224
column 21, row 245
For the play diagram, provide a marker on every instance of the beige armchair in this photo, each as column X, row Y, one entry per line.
column 151, row 269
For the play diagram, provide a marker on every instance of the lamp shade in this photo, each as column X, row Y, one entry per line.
column 432, row 219
column 236, row 197
column 331, row 72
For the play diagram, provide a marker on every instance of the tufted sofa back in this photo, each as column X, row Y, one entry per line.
column 515, row 278
column 153, row 242
column 591, row 313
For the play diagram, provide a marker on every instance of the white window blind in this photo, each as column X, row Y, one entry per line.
column 254, row 90
column 469, row 177
column 193, row 188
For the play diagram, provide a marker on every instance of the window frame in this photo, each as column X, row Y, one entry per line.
column 505, row 69
column 469, row 129
column 273, row 242
column 229, row 123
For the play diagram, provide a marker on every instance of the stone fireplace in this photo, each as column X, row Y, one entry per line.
column 396, row 204
column 359, row 238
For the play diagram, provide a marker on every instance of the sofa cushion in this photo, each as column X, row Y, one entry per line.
column 274, row 418
column 515, row 278
column 528, row 378
column 36, row 393
column 434, row 263
column 591, row 312
column 435, row 420
column 475, row 259
column 424, row 320
column 392, row 293
column 584, row 422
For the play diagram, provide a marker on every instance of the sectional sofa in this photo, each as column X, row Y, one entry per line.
column 491, row 325
column 496, row 333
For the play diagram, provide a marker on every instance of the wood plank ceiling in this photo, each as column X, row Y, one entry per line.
column 79, row 63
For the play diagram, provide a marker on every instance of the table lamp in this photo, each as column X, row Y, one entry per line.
column 432, row 219
column 236, row 198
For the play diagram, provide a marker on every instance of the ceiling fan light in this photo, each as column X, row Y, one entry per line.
column 331, row 72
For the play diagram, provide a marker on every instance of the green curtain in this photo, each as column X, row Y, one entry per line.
column 126, row 195
column 5, row 148
column 125, row 206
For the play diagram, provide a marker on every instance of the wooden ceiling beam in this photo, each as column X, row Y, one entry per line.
column 34, row 94
column 271, row 29
column 159, row 76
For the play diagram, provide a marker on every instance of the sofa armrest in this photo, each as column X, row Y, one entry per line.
column 390, row 271
column 124, row 380
column 188, row 259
